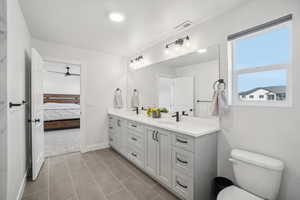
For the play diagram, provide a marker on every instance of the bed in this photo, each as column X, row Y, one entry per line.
column 61, row 111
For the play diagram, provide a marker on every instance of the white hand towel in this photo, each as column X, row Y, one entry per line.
column 135, row 99
column 118, row 100
column 219, row 103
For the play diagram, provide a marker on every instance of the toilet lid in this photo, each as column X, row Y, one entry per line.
column 235, row 193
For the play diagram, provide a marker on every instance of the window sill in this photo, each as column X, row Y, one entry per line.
column 263, row 104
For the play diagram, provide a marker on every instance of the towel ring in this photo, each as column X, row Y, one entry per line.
column 118, row 90
column 135, row 90
column 219, row 83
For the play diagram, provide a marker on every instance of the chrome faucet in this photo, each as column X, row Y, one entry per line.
column 177, row 116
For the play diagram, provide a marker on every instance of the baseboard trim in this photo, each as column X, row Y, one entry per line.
column 95, row 147
column 22, row 187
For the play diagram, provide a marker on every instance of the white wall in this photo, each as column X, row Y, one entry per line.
column 55, row 83
column 268, row 130
column 18, row 59
column 101, row 74
column 3, row 101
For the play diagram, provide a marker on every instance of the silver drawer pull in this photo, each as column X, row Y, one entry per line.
column 181, row 141
column 181, row 185
column 110, row 127
column 182, row 161
column 133, row 125
column 134, row 139
column 133, row 154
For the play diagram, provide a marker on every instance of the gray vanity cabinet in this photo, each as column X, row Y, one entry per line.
column 158, row 158
column 117, row 134
column 184, row 164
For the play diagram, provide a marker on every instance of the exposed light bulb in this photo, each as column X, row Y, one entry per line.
column 167, row 51
column 116, row 17
column 187, row 44
column 202, row 51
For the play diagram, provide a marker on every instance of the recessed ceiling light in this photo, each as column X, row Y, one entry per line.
column 202, row 50
column 116, row 17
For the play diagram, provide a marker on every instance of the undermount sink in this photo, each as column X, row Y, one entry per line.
column 168, row 121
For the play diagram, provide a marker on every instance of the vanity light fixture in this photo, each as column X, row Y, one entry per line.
column 116, row 17
column 179, row 42
column 167, row 51
column 137, row 59
column 202, row 51
column 134, row 62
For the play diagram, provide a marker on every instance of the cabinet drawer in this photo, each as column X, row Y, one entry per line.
column 111, row 124
column 110, row 120
column 136, row 157
column 183, row 142
column 111, row 128
column 135, row 126
column 136, row 140
column 112, row 140
column 183, row 161
column 183, row 185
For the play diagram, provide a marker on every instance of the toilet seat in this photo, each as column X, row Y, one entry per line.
column 235, row 193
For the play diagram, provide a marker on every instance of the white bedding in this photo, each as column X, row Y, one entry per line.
column 59, row 111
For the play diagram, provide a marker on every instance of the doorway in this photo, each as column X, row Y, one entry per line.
column 62, row 110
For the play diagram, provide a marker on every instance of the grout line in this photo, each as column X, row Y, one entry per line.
column 70, row 175
column 48, row 178
column 135, row 175
column 94, row 179
column 120, row 182
column 131, row 171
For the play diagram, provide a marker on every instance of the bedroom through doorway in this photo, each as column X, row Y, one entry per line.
column 62, row 111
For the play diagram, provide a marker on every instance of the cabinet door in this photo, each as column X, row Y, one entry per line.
column 164, row 157
column 151, row 152
column 122, row 136
column 118, row 135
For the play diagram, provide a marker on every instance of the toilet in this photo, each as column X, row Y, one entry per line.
column 258, row 177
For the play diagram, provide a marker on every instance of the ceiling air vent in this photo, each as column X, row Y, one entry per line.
column 183, row 25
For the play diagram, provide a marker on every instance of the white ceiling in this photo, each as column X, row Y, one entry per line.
column 85, row 23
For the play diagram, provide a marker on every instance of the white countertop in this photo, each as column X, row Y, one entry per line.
column 192, row 126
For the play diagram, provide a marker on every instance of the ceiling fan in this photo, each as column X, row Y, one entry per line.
column 67, row 73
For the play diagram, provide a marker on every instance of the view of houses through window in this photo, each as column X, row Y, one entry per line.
column 260, row 64
column 272, row 93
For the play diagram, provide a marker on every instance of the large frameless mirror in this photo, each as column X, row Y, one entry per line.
column 184, row 83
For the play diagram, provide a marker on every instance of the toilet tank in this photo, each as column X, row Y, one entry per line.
column 257, row 174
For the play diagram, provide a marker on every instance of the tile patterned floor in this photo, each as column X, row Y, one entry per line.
column 98, row 175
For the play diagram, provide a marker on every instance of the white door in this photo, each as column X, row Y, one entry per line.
column 184, row 93
column 37, row 113
column 165, row 93
column 164, row 156
column 151, row 151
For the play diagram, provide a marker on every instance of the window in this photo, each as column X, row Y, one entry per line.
column 271, row 97
column 260, row 64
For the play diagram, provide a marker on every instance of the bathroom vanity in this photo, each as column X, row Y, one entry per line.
column 182, row 156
